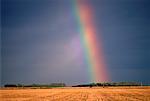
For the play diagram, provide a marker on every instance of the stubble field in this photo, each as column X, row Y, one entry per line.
column 77, row 94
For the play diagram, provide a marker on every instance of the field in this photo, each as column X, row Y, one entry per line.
column 77, row 94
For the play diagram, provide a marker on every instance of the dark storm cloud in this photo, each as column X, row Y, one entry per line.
column 125, row 28
column 36, row 35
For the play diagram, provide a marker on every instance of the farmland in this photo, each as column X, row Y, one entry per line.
column 76, row 94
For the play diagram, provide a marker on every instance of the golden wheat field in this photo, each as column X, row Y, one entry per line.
column 77, row 94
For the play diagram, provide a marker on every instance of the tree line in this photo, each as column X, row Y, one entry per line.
column 104, row 84
column 37, row 85
column 109, row 84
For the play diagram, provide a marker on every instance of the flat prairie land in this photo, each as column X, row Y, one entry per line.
column 77, row 94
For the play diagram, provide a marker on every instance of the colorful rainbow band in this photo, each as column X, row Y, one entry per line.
column 91, row 46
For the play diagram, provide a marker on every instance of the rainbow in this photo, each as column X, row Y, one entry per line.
column 92, row 48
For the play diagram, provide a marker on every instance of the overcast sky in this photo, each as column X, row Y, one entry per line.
column 40, row 41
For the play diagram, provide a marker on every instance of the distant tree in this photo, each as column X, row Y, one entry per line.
column 10, row 85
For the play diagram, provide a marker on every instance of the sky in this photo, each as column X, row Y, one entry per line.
column 40, row 43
